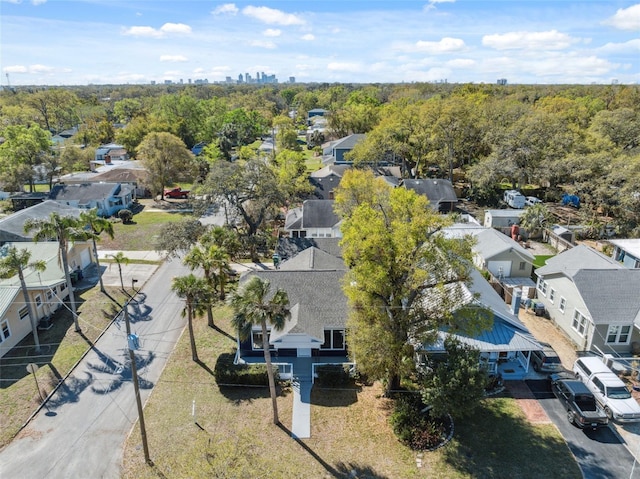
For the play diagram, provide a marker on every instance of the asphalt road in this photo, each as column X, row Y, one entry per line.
column 600, row 454
column 82, row 431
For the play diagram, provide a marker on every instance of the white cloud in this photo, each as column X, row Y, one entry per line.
column 164, row 30
column 263, row 44
column 28, row 69
column 345, row 67
column 15, row 69
column 173, row 58
column 272, row 32
column 549, row 40
column 272, row 16
column 179, row 28
column 632, row 46
column 227, row 8
column 308, row 37
column 446, row 45
column 626, row 18
column 38, row 2
column 142, row 32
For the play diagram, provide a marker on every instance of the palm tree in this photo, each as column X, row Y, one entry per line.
column 15, row 262
column 63, row 229
column 121, row 259
column 96, row 226
column 198, row 257
column 196, row 294
column 251, row 308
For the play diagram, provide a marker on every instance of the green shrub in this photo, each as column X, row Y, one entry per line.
column 125, row 215
column 415, row 428
column 248, row 374
column 333, row 375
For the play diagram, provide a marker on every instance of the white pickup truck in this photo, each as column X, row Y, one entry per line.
column 608, row 389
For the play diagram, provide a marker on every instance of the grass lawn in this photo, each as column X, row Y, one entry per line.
column 541, row 260
column 141, row 234
column 62, row 347
column 234, row 436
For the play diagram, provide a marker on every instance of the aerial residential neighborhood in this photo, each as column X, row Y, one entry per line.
column 417, row 255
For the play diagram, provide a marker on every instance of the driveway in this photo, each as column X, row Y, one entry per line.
column 599, row 453
column 81, row 432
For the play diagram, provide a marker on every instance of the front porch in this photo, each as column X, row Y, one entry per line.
column 296, row 368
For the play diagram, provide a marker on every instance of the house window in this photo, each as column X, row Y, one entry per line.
column 552, row 295
column 38, row 300
column 542, row 286
column 579, row 322
column 521, row 266
column 49, row 295
column 257, row 343
column 5, row 332
column 562, row 305
column 23, row 313
column 618, row 334
column 333, row 339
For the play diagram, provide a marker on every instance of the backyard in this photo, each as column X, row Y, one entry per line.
column 232, row 436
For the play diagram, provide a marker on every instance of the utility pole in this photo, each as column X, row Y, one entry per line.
column 132, row 343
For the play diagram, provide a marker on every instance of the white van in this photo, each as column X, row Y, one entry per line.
column 514, row 198
column 608, row 389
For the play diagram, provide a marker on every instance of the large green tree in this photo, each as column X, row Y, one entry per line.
column 23, row 149
column 167, row 160
column 255, row 305
column 64, row 229
column 404, row 281
column 15, row 262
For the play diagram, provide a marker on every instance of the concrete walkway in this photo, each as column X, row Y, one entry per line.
column 301, row 416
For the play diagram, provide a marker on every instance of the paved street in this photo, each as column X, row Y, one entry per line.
column 82, row 433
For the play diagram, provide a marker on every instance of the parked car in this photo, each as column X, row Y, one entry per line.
column 608, row 389
column 581, row 405
column 532, row 200
column 176, row 193
column 546, row 360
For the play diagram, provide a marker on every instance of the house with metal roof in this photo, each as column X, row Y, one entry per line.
column 46, row 291
column 505, row 347
column 592, row 298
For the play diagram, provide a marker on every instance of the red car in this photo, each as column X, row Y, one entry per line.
column 176, row 193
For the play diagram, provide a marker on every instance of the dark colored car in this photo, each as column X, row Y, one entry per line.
column 580, row 404
column 546, row 360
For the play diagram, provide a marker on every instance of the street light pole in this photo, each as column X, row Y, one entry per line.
column 132, row 344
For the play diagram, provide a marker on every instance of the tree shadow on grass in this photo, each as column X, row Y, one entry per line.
column 334, row 397
column 354, row 469
column 496, row 441
column 224, row 333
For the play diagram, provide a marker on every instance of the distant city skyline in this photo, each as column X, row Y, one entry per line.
column 81, row 42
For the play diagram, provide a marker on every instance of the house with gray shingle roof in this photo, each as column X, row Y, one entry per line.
column 316, row 327
column 334, row 152
column 314, row 219
column 592, row 298
column 440, row 193
column 12, row 226
column 108, row 198
column 500, row 255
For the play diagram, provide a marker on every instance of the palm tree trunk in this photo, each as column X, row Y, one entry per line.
column 95, row 253
column 192, row 338
column 67, row 276
column 272, row 381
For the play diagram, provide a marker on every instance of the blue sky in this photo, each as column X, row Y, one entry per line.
column 55, row 42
